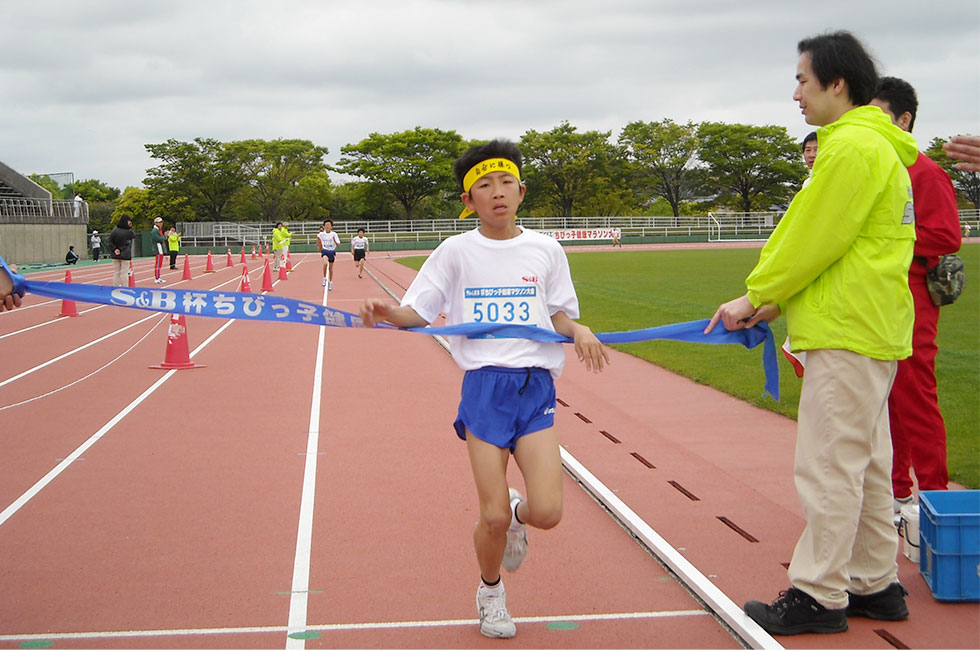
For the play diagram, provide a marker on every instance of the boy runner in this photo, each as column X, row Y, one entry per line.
column 500, row 272
column 328, row 251
column 359, row 246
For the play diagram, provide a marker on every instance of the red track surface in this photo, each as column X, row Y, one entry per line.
column 178, row 525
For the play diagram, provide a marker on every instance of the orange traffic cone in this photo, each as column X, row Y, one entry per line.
column 178, row 355
column 282, row 272
column 243, row 255
column 267, row 278
column 265, row 249
column 289, row 262
column 261, row 250
column 132, row 275
column 210, row 265
column 187, row 268
column 68, row 307
column 254, row 256
column 246, row 285
column 230, row 262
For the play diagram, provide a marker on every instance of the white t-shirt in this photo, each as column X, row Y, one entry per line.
column 328, row 240
column 359, row 242
column 523, row 280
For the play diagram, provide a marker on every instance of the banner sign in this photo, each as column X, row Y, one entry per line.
column 580, row 234
column 268, row 307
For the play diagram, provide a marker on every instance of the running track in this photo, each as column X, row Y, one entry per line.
column 307, row 481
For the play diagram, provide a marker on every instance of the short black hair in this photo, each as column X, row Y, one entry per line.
column 330, row 221
column 812, row 135
column 840, row 55
column 498, row 148
column 278, row 223
column 360, row 230
column 900, row 96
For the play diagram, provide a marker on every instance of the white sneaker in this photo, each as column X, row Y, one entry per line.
column 516, row 549
column 324, row 282
column 495, row 620
column 330, row 286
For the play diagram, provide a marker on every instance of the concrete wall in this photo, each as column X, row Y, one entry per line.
column 31, row 242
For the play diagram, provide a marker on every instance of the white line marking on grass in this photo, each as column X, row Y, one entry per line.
column 21, row 501
column 340, row 627
column 299, row 598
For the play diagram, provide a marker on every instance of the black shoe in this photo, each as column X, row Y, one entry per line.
column 885, row 605
column 796, row 612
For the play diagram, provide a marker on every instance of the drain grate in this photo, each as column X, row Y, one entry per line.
column 680, row 488
column 610, row 436
column 731, row 524
column 643, row 460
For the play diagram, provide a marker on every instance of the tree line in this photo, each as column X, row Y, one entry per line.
column 652, row 168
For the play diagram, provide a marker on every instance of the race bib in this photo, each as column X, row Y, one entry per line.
column 516, row 305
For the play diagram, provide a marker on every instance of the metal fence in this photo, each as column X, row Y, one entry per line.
column 714, row 226
column 304, row 232
column 60, row 210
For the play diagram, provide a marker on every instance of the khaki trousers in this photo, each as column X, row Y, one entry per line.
column 120, row 273
column 843, row 477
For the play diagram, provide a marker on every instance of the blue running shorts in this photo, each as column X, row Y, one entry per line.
column 330, row 254
column 499, row 405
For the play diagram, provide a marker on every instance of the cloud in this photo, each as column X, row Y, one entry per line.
column 88, row 84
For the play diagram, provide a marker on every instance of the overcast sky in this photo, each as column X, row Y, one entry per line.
column 84, row 85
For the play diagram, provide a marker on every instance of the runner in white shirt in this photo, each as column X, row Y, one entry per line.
column 359, row 246
column 328, row 251
column 501, row 273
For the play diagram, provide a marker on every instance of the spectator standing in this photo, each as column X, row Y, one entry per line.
column 78, row 205
column 838, row 262
column 159, row 242
column 173, row 245
column 280, row 244
column 121, row 249
column 95, row 242
column 917, row 427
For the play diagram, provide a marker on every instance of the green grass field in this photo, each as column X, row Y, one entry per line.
column 624, row 290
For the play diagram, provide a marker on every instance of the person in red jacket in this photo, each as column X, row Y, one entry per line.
column 917, row 426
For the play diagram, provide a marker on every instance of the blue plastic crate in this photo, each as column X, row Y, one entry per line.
column 949, row 534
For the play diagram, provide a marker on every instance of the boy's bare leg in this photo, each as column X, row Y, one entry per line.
column 489, row 464
column 538, row 458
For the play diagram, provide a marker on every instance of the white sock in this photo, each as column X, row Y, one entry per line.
column 495, row 590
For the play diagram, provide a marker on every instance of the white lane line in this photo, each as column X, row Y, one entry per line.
column 340, row 627
column 91, row 343
column 89, row 375
column 299, row 598
column 47, row 322
column 75, row 351
column 21, row 501
column 715, row 598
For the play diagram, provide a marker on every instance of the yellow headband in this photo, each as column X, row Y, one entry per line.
column 483, row 168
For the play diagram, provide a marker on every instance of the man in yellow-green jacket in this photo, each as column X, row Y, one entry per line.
column 838, row 266
column 280, row 244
